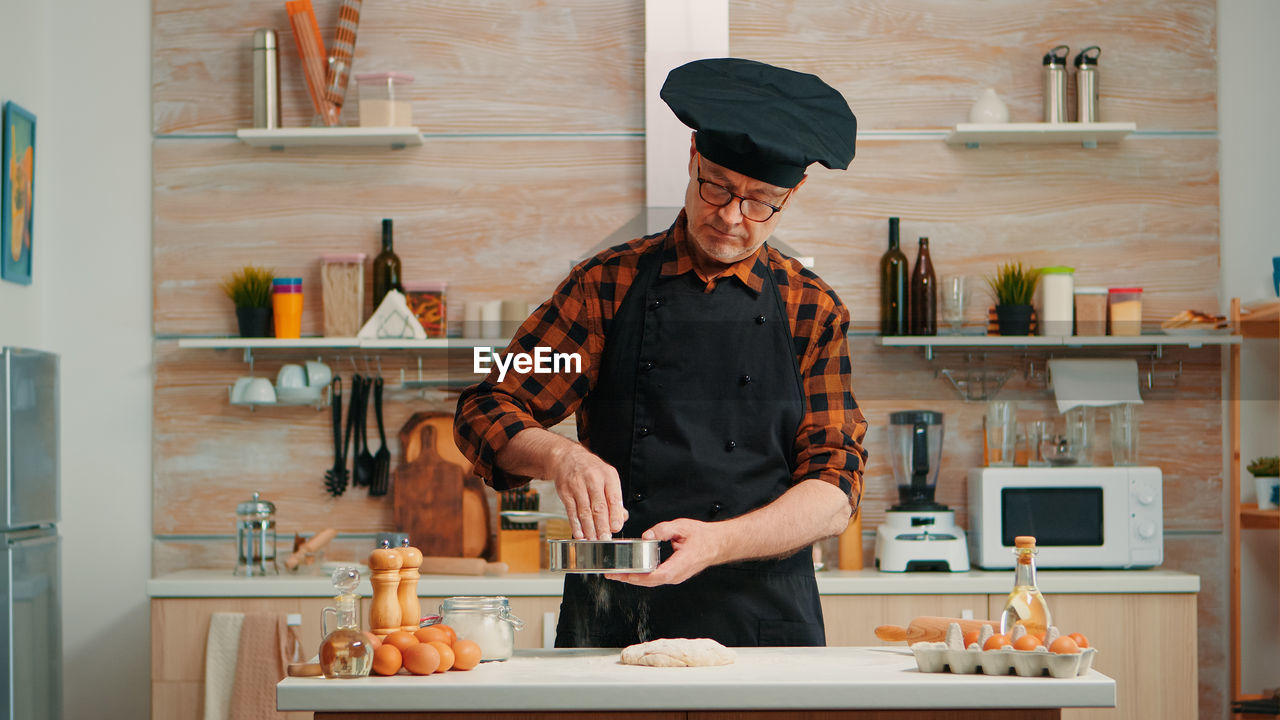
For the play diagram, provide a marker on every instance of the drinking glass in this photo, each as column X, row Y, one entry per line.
column 1001, row 433
column 955, row 298
column 1037, row 432
column 1124, row 434
column 1081, row 433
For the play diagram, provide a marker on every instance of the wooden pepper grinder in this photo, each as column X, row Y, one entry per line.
column 410, row 607
column 384, row 609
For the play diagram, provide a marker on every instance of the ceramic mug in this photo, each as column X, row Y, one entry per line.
column 238, row 390
column 318, row 374
column 259, row 390
column 291, row 375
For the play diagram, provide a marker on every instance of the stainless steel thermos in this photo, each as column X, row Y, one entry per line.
column 1055, row 84
column 266, row 79
column 1087, row 84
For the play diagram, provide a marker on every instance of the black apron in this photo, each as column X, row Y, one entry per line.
column 697, row 405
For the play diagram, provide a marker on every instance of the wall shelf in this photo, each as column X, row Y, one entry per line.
column 974, row 135
column 929, row 343
column 395, row 138
column 235, row 343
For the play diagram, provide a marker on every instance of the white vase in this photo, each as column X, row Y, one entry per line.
column 1266, row 489
column 988, row 109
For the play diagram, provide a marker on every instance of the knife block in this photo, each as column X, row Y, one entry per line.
column 520, row 550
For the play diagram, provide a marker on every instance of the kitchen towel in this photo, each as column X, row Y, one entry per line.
column 259, row 667
column 393, row 320
column 1093, row 382
column 221, row 649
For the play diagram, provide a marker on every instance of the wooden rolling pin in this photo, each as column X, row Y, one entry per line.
column 313, row 544
column 434, row 565
column 930, row 629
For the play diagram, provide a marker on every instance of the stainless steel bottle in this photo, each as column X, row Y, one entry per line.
column 1055, row 84
column 266, row 79
column 1087, row 84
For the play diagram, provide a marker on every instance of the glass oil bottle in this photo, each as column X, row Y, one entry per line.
column 345, row 651
column 1025, row 605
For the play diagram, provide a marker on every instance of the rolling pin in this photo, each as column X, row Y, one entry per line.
column 313, row 544
column 930, row 629
column 435, row 565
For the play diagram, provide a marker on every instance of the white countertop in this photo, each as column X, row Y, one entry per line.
column 761, row 679
column 222, row 583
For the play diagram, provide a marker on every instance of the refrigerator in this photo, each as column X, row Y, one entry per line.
column 30, row 579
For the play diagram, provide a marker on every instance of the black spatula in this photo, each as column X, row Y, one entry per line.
column 335, row 478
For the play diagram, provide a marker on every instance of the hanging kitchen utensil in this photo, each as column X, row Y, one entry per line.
column 356, row 382
column 362, row 465
column 382, row 459
column 335, row 478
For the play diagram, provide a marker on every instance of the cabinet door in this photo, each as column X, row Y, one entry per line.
column 851, row 620
column 1146, row 643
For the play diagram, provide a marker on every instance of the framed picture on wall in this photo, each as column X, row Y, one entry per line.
column 17, row 188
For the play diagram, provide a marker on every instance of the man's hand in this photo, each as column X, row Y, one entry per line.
column 697, row 546
column 591, row 492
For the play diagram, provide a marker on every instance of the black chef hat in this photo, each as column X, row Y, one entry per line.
column 765, row 122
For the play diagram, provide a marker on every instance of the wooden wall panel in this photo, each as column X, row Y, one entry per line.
column 1142, row 212
column 577, row 66
column 495, row 218
column 478, row 66
column 922, row 63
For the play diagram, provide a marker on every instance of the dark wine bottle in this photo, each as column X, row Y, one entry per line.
column 386, row 268
column 893, row 286
column 924, row 294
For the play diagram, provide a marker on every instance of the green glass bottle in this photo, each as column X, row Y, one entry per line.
column 386, row 268
column 893, row 286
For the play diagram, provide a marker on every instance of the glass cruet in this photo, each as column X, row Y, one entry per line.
column 345, row 651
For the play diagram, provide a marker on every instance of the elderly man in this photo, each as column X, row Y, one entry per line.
column 714, row 406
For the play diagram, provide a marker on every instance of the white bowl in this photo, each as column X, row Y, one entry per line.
column 318, row 374
column 259, row 392
column 291, row 375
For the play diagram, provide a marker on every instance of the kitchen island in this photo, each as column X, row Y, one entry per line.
column 843, row 682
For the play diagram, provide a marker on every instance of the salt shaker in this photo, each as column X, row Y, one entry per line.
column 266, row 79
column 1055, row 84
column 1087, row 84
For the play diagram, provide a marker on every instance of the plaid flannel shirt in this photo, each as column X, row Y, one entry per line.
column 576, row 319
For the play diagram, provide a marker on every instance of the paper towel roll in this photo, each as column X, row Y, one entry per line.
column 514, row 313
column 471, row 324
column 1096, row 383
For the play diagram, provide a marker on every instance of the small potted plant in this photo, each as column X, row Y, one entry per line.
column 1013, row 287
column 250, row 290
column 1266, row 478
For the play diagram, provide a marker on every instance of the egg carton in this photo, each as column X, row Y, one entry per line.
column 934, row 657
column 954, row 656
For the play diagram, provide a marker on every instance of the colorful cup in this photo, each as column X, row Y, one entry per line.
column 286, row 306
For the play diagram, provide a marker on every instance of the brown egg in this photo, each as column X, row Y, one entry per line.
column 402, row 639
column 446, row 654
column 421, row 659
column 466, row 655
column 387, row 660
column 453, row 636
column 997, row 641
column 1064, row 645
column 433, row 632
column 1081, row 641
column 375, row 642
column 971, row 637
column 1027, row 642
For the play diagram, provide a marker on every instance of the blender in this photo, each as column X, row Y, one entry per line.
column 918, row 533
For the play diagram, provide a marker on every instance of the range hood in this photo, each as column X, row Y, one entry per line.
column 688, row 31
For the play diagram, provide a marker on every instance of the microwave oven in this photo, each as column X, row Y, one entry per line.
column 1081, row 517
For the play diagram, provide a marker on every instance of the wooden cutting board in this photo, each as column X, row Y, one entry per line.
column 435, row 499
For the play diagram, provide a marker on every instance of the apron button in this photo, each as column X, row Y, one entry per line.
column 715, row 509
column 745, row 379
column 759, row 319
column 644, row 430
column 647, row 365
column 655, row 304
column 730, row 445
column 637, row 496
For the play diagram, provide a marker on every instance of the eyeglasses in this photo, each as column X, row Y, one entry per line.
column 719, row 196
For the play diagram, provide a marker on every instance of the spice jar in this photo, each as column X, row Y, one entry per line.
column 342, row 287
column 426, row 302
column 1124, row 307
column 1057, row 300
column 1091, row 311
column 486, row 621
